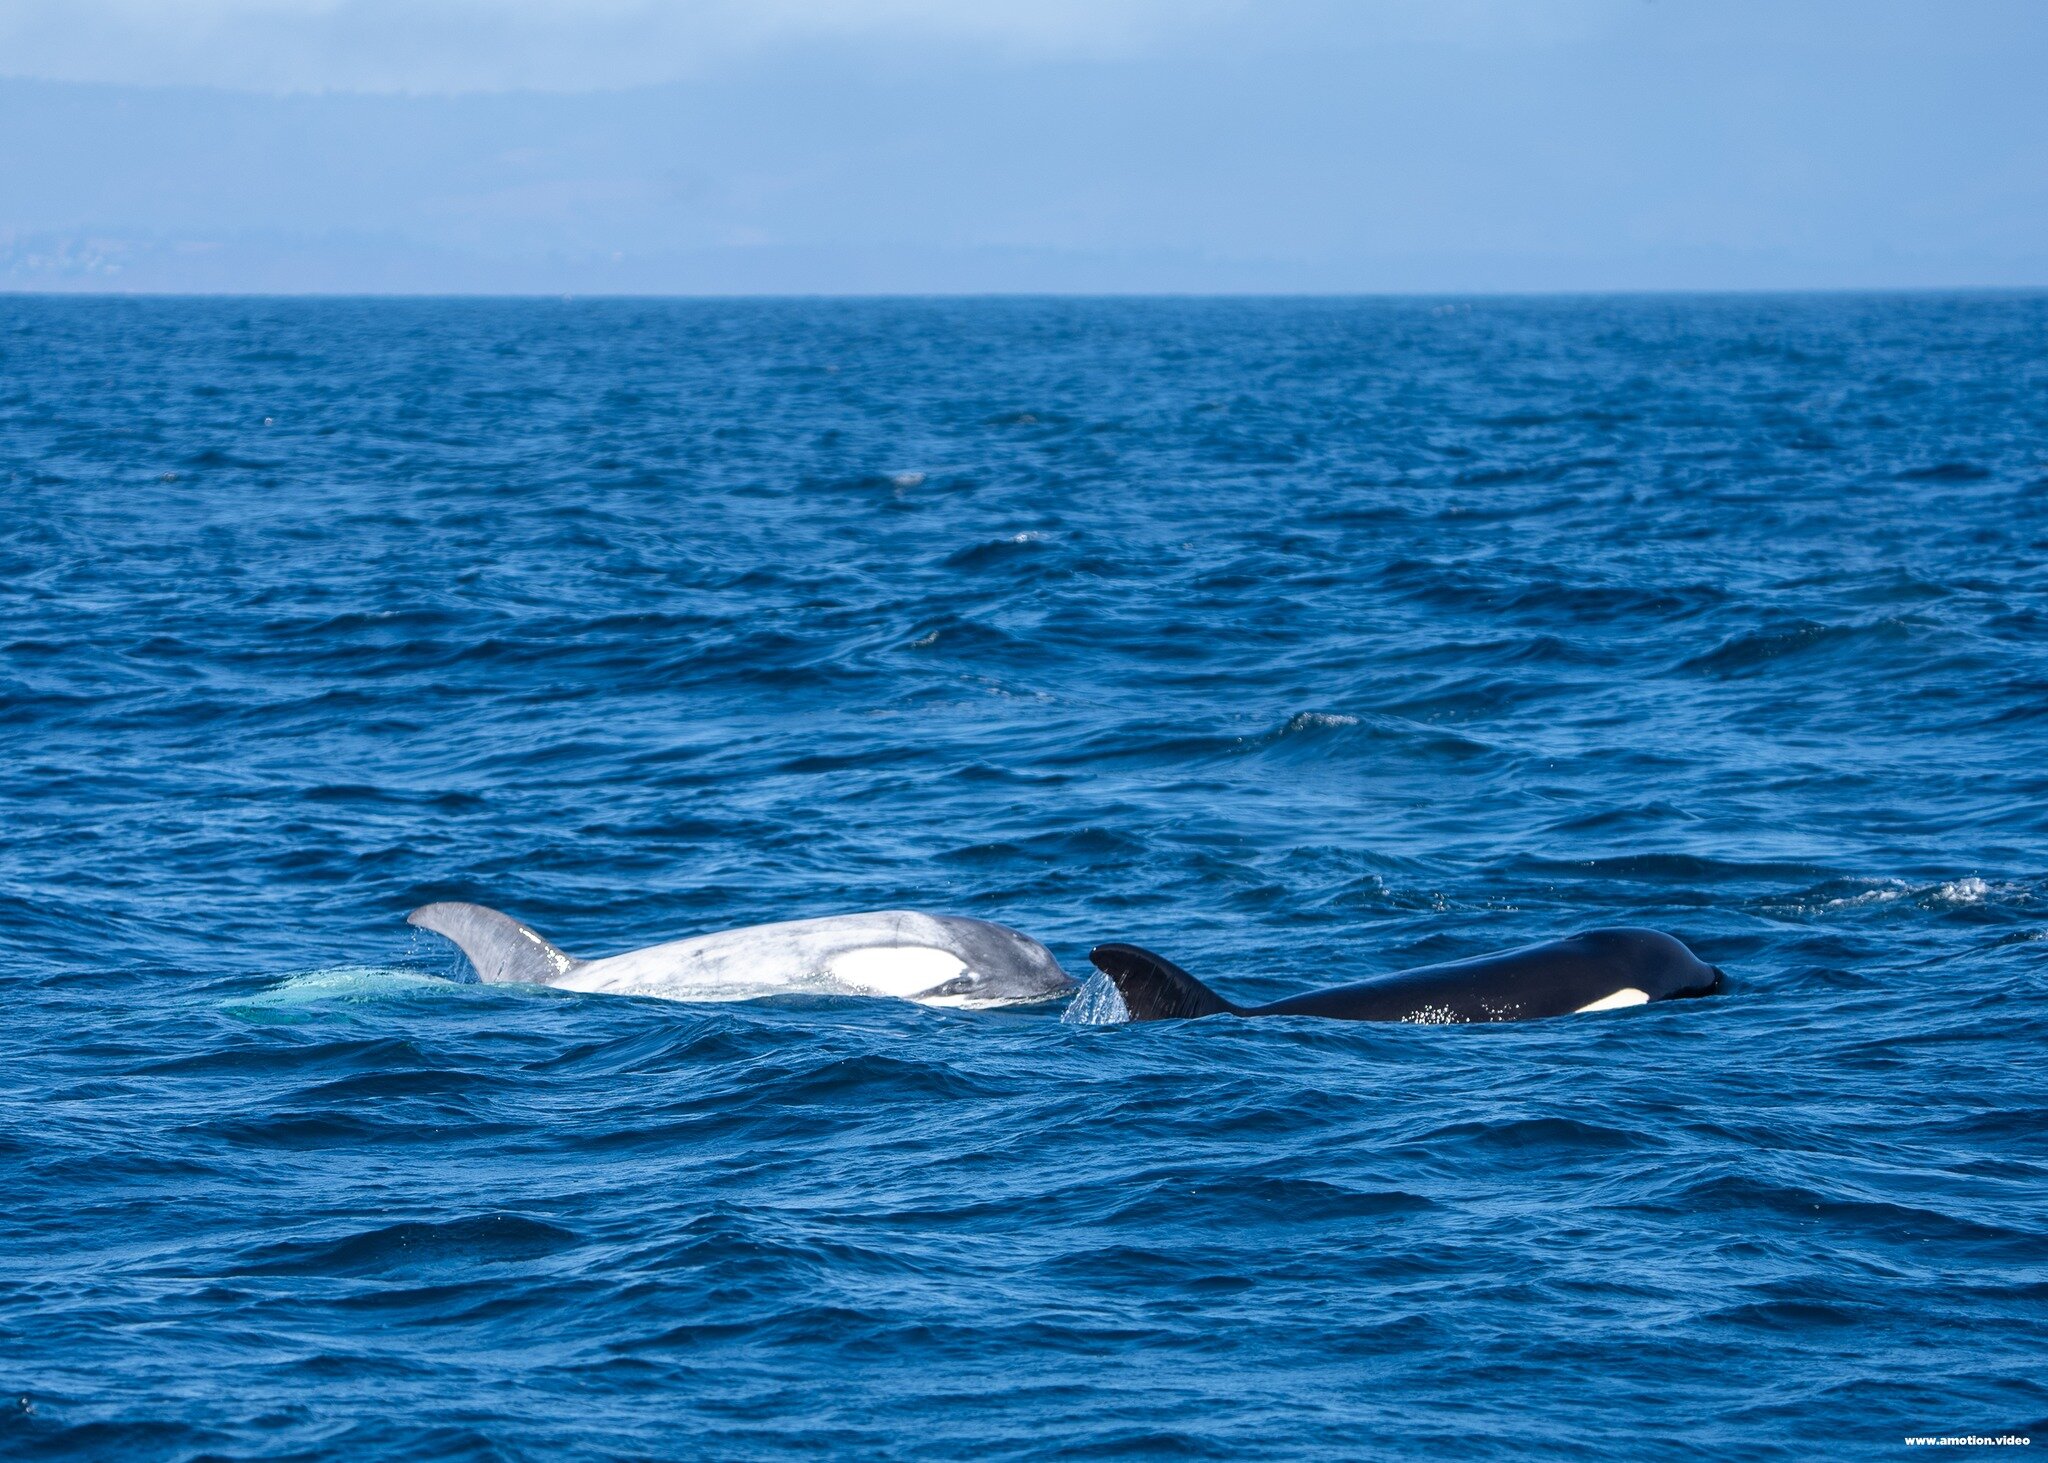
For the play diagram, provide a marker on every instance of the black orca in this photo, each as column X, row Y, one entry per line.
column 1598, row 970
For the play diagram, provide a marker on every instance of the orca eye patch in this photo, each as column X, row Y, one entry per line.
column 896, row 970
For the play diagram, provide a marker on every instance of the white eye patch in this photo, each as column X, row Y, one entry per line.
column 894, row 970
column 1626, row 996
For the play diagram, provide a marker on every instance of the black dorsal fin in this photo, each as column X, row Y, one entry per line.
column 1154, row 988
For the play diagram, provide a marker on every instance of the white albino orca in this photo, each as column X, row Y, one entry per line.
column 933, row 959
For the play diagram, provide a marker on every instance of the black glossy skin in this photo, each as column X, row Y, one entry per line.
column 1553, row 979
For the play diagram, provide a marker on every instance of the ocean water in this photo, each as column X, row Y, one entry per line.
column 1297, row 640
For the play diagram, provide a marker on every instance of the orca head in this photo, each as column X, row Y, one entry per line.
column 999, row 966
column 1660, row 965
column 977, row 990
column 1711, row 982
column 977, row 965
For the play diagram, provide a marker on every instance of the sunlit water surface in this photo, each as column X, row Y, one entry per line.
column 1297, row 640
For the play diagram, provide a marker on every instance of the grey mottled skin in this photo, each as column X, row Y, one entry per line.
column 934, row 959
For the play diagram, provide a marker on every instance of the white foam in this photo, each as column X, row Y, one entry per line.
column 1968, row 890
column 1893, row 889
column 1098, row 1003
column 1963, row 891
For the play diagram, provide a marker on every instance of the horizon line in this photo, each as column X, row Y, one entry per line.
column 573, row 296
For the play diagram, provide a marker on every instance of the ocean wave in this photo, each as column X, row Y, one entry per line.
column 1162, row 620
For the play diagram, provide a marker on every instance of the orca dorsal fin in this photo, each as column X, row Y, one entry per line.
column 503, row 950
column 1154, row 988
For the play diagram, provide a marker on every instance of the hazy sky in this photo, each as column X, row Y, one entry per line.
column 913, row 145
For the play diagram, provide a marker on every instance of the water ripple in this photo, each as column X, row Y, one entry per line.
column 1300, row 640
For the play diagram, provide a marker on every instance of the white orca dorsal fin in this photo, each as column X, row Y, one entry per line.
column 503, row 950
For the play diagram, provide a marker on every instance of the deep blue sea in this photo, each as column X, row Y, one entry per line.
column 1297, row 640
